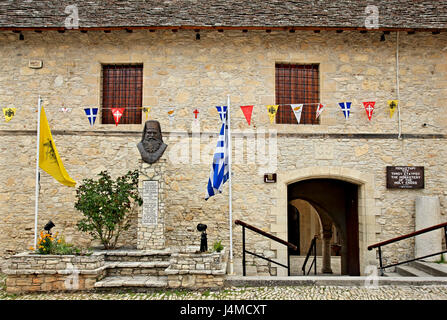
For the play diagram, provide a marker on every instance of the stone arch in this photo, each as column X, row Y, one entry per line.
column 366, row 207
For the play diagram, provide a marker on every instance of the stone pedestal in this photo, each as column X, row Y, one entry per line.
column 151, row 215
column 428, row 214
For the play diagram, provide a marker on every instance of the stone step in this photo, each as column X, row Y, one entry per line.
column 137, row 255
column 128, row 268
column 392, row 274
column 120, row 282
column 408, row 271
column 432, row 268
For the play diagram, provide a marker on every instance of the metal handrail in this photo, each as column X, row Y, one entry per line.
column 379, row 245
column 265, row 234
column 312, row 249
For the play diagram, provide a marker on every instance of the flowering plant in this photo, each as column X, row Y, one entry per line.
column 53, row 244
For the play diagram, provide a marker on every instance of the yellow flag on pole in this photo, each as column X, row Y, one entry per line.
column 49, row 160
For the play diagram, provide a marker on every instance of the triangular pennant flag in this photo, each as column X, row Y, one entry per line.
column 369, row 108
column 297, row 110
column 117, row 114
column 49, row 159
column 222, row 112
column 171, row 114
column 393, row 106
column 320, row 109
column 272, row 109
column 196, row 113
column 91, row 114
column 247, row 111
column 65, row 110
column 9, row 113
column 345, row 107
column 146, row 111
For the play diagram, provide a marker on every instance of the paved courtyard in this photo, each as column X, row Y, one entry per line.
column 251, row 293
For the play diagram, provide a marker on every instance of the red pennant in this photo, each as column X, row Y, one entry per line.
column 369, row 108
column 117, row 114
column 247, row 110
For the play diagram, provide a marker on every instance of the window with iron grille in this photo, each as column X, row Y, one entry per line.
column 122, row 87
column 296, row 84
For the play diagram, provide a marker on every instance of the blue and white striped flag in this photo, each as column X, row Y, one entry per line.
column 220, row 169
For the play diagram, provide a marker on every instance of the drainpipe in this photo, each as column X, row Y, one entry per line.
column 397, row 86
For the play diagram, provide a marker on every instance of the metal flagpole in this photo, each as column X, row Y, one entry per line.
column 36, row 211
column 229, row 185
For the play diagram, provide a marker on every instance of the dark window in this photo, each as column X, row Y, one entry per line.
column 297, row 84
column 122, row 87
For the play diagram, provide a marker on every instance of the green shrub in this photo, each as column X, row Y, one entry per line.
column 217, row 246
column 106, row 204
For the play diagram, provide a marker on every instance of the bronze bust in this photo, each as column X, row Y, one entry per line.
column 151, row 146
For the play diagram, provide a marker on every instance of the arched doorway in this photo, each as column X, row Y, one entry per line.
column 336, row 203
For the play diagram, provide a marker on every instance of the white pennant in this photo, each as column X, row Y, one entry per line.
column 297, row 110
column 320, row 109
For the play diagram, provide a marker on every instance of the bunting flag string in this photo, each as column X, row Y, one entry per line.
column 9, row 113
column 346, row 108
column 117, row 114
column 272, row 110
column 91, row 114
column 247, row 111
column 392, row 104
column 297, row 110
column 369, row 108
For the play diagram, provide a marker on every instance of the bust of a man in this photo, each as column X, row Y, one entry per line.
column 151, row 146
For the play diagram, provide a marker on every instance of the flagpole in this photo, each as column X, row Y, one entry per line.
column 36, row 211
column 229, row 185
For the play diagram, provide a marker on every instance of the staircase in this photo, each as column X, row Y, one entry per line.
column 135, row 269
column 419, row 269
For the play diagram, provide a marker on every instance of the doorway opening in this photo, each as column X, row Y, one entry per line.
column 327, row 209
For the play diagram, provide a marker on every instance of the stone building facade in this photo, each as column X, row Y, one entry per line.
column 189, row 73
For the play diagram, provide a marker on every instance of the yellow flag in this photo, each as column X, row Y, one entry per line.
column 393, row 105
column 9, row 113
column 49, row 160
column 272, row 112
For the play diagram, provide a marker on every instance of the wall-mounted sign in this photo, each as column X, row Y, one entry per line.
column 35, row 64
column 270, row 177
column 405, row 177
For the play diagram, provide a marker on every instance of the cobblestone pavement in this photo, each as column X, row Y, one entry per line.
column 251, row 293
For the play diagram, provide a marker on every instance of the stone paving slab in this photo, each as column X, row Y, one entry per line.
column 132, row 281
column 255, row 281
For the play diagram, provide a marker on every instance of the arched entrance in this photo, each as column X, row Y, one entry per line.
column 336, row 203
column 366, row 208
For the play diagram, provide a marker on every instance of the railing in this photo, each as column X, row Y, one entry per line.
column 410, row 235
column 312, row 250
column 265, row 234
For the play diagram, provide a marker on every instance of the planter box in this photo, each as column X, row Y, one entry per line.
column 30, row 272
column 191, row 269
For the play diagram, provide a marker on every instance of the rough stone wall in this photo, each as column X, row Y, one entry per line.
column 181, row 71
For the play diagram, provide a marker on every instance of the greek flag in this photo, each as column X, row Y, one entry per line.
column 219, row 170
